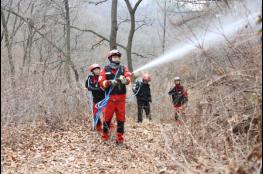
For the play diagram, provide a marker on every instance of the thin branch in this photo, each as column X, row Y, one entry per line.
column 132, row 10
column 139, row 26
column 41, row 34
column 105, row 39
column 125, row 20
column 97, row 44
column 136, row 5
column 22, row 41
column 97, row 3
column 140, row 55
column 129, row 6
column 97, row 34
column 55, row 61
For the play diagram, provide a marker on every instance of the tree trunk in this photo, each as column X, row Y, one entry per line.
column 29, row 41
column 132, row 31
column 9, row 50
column 114, row 26
column 67, row 62
column 28, row 48
column 164, row 26
column 2, row 35
column 129, row 44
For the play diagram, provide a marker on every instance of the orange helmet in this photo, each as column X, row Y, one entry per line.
column 114, row 53
column 93, row 66
column 146, row 77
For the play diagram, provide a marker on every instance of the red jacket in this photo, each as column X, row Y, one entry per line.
column 105, row 83
column 179, row 95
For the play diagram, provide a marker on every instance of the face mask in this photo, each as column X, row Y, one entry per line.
column 114, row 65
column 115, row 62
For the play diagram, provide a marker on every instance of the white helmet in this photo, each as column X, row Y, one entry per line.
column 177, row 79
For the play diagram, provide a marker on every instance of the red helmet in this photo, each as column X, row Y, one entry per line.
column 146, row 77
column 114, row 53
column 93, row 66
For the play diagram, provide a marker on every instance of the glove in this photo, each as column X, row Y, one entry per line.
column 123, row 80
column 185, row 100
column 114, row 82
column 134, row 90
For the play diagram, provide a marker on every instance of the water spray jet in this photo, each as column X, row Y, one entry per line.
column 228, row 28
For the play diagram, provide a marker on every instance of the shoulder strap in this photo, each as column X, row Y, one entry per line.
column 107, row 68
column 122, row 69
column 139, row 84
column 90, row 77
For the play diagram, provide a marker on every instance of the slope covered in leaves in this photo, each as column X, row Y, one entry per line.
column 79, row 150
column 150, row 147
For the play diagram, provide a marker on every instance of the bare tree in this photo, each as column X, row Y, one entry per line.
column 114, row 26
column 104, row 38
column 164, row 10
column 97, row 2
column 67, row 54
column 132, row 11
column 67, row 41
column 164, row 25
column 6, row 21
column 29, row 42
column 68, row 58
column 37, row 30
column 9, row 48
column 9, row 36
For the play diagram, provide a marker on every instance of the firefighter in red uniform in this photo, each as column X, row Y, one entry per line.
column 116, row 103
column 97, row 92
column 179, row 98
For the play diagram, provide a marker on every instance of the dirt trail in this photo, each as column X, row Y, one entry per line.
column 80, row 150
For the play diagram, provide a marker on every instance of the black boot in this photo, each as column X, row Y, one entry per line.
column 176, row 116
column 149, row 116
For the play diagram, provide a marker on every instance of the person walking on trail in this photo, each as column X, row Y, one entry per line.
column 92, row 84
column 179, row 98
column 143, row 94
column 114, row 77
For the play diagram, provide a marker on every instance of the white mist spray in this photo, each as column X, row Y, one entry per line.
column 229, row 26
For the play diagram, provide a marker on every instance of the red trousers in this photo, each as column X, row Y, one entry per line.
column 179, row 110
column 112, row 107
column 118, row 107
